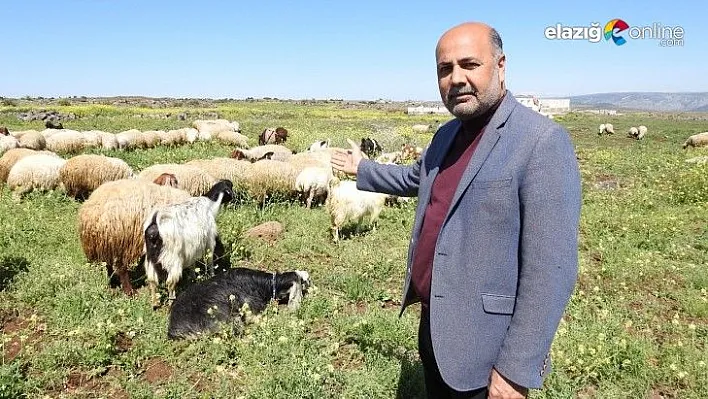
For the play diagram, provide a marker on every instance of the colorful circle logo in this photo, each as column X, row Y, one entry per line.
column 612, row 28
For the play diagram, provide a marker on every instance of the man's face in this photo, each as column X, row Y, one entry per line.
column 470, row 75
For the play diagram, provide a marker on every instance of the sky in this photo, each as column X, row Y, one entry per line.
column 353, row 50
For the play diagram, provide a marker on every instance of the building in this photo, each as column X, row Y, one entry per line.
column 545, row 106
column 421, row 110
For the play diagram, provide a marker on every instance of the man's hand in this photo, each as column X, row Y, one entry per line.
column 347, row 162
column 501, row 388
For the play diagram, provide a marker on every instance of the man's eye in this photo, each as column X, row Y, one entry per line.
column 471, row 65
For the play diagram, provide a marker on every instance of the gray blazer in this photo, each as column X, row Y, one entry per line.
column 506, row 259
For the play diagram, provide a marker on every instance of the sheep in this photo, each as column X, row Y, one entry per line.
column 167, row 179
column 191, row 178
column 32, row 140
column 130, row 139
column 606, row 128
column 110, row 223
column 203, row 306
column 178, row 235
column 92, row 139
column 318, row 145
column 642, row 132
column 345, row 203
column 8, row 143
column 10, row 158
column 84, row 173
column 420, row 128
column 697, row 140
column 208, row 128
column 4, row 131
column 370, row 147
column 269, row 178
column 66, row 141
column 279, row 152
column 232, row 138
column 35, row 172
column 273, row 136
column 633, row 132
column 151, row 138
column 224, row 168
column 313, row 184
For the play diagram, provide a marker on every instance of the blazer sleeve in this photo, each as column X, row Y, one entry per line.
column 400, row 180
column 550, row 201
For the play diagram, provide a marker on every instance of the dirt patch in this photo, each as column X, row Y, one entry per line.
column 268, row 232
column 588, row 392
column 24, row 331
column 662, row 393
column 81, row 381
column 157, row 371
column 123, row 342
column 348, row 358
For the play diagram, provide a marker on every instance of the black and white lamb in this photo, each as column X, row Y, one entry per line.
column 179, row 235
column 203, row 306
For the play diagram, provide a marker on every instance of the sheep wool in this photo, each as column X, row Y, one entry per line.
column 191, row 178
column 313, row 184
column 35, row 172
column 110, row 222
column 8, row 143
column 84, row 173
column 345, row 203
column 697, row 140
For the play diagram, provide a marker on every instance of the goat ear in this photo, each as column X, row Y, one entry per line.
column 295, row 296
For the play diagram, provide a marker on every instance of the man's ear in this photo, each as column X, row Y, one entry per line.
column 501, row 65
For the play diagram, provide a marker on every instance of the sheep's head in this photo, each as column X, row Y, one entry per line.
column 238, row 154
column 4, row 131
column 281, row 135
column 167, row 179
column 292, row 286
column 222, row 187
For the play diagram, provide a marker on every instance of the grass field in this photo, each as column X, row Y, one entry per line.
column 636, row 326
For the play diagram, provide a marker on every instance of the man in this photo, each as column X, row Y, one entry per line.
column 493, row 255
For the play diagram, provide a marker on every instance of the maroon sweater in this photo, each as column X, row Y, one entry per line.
column 444, row 187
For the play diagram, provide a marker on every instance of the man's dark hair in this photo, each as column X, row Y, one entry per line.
column 496, row 42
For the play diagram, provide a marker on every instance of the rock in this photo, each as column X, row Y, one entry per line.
column 268, row 231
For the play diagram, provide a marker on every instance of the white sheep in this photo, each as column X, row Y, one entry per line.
column 420, row 128
column 345, row 203
column 601, row 129
column 318, row 145
column 191, row 178
column 178, row 235
column 8, row 143
column 313, row 184
column 35, row 172
column 64, row 140
column 642, row 132
column 697, row 140
column 633, row 132
column 33, row 140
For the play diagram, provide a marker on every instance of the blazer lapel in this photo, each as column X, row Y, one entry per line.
column 486, row 143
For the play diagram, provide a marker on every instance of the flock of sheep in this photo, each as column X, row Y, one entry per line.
column 123, row 221
column 638, row 133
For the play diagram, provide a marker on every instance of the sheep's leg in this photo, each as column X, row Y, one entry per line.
column 295, row 296
column 175, row 273
column 309, row 198
column 125, row 280
column 152, row 280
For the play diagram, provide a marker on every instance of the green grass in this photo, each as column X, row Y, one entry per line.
column 636, row 326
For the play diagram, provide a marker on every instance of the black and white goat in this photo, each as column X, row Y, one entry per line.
column 202, row 306
column 370, row 147
column 178, row 235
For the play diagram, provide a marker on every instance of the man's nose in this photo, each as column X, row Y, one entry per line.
column 458, row 76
